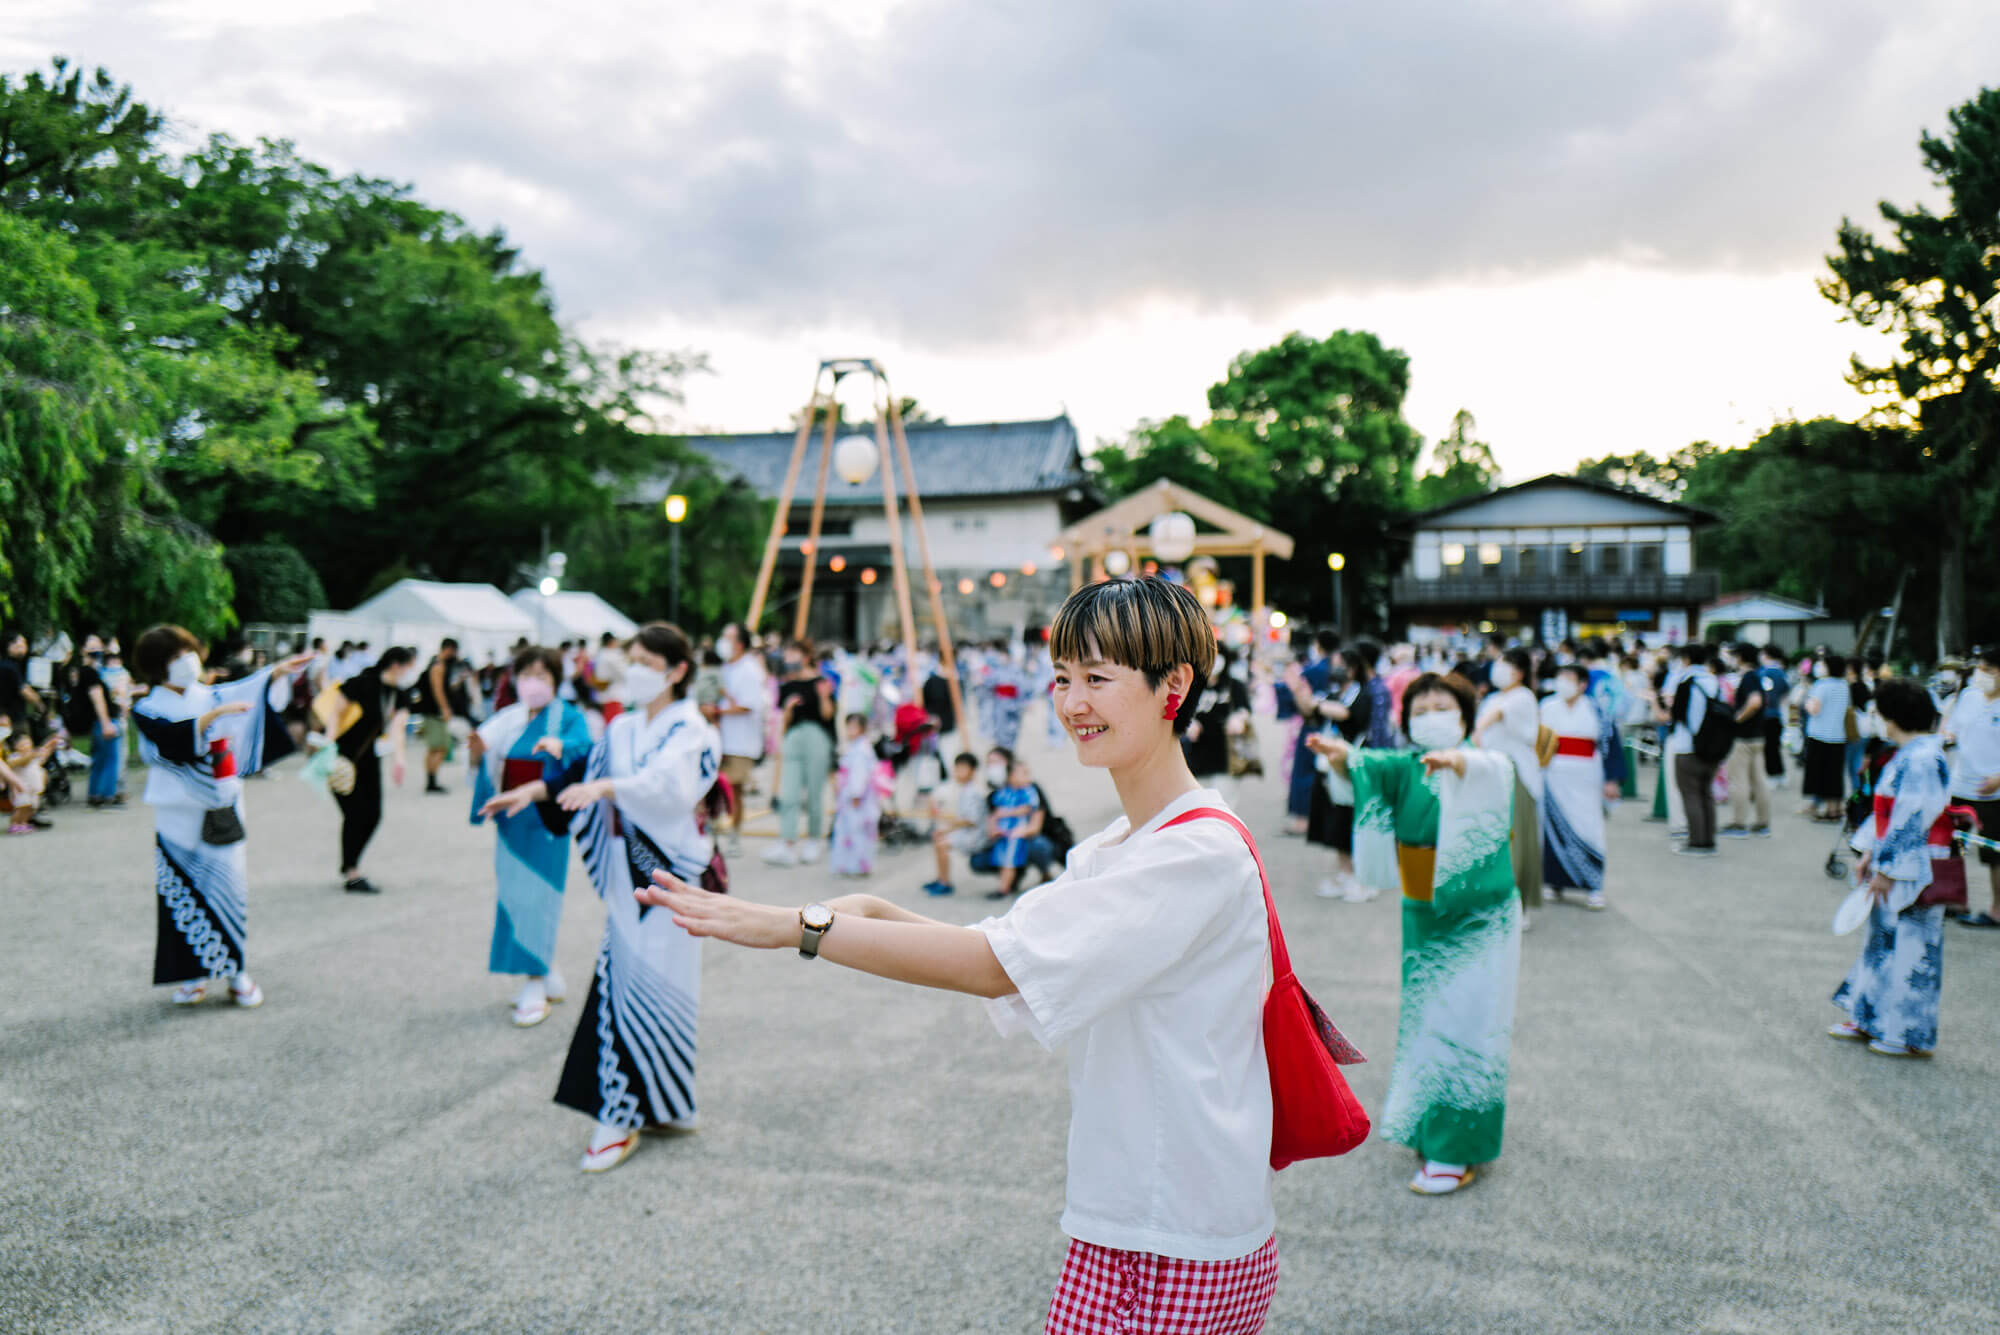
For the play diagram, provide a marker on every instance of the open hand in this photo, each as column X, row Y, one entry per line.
column 1331, row 747
column 580, row 795
column 552, row 745
column 724, row 917
column 296, row 663
column 1878, row 888
column 1454, row 761
column 510, row 803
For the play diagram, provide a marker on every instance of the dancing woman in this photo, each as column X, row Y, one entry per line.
column 1575, row 787
column 536, row 740
column 1451, row 808
column 631, row 1063
column 1145, row 960
column 197, row 743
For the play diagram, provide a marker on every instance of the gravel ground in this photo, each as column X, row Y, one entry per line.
column 376, row 1149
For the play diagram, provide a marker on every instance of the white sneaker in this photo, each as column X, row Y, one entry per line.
column 1527, row 921
column 811, row 851
column 1594, row 900
column 1328, row 889
column 782, row 855
column 1356, row 893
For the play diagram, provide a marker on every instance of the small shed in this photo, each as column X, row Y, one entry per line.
column 1767, row 618
column 1123, row 527
column 573, row 616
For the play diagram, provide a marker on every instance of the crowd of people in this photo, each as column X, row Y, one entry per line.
column 1474, row 780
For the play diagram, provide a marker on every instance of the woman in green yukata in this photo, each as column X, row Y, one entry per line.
column 1451, row 808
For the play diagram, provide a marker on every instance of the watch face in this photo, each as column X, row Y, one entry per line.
column 816, row 916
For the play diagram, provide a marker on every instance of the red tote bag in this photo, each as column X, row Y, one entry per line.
column 1314, row 1115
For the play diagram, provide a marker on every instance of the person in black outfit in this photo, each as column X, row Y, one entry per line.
column 1206, row 741
column 1349, row 705
column 435, row 707
column 383, row 694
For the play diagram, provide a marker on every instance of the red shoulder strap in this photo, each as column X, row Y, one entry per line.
column 1281, row 958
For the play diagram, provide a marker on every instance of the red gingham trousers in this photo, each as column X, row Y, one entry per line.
column 1108, row 1292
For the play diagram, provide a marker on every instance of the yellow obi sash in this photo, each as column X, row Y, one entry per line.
column 1419, row 870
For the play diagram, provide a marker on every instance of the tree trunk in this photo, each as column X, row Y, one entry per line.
column 1953, row 639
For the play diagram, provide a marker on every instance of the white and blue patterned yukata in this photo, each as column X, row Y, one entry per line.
column 1891, row 993
column 202, row 889
column 531, row 850
column 631, row 1063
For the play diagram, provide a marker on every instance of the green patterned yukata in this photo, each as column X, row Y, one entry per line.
column 1461, row 948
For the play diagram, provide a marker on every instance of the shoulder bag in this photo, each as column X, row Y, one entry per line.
column 1314, row 1115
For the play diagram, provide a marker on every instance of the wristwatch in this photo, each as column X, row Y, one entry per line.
column 815, row 921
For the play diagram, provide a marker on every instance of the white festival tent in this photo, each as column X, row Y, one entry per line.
column 422, row 612
column 573, row 616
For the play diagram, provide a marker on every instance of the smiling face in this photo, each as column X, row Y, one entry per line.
column 1112, row 713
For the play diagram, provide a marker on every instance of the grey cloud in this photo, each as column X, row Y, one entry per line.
column 987, row 173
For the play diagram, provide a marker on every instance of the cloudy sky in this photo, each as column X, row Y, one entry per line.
column 1596, row 224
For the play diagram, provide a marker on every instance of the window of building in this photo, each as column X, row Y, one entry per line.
column 1646, row 558
column 1489, row 558
column 799, row 525
column 1454, row 559
column 1572, row 559
column 1610, row 560
column 1529, row 560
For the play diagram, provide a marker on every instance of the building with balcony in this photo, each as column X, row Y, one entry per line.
column 996, row 496
column 1555, row 558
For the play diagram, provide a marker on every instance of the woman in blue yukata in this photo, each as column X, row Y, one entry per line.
column 198, row 742
column 537, row 739
column 1891, row 993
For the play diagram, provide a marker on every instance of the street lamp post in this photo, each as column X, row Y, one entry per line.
column 677, row 509
column 1337, row 562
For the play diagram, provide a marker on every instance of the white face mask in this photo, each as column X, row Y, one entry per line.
column 1983, row 681
column 1438, row 730
column 184, row 671
column 643, row 684
column 1503, row 676
column 996, row 776
column 1568, row 689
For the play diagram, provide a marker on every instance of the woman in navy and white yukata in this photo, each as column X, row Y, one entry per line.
column 631, row 1063
column 198, row 742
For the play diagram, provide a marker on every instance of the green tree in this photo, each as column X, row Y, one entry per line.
column 1460, row 466
column 68, row 407
column 273, row 583
column 1221, row 462
column 1935, row 283
column 1328, row 416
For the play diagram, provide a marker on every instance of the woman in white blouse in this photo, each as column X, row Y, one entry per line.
column 1509, row 721
column 1146, row 960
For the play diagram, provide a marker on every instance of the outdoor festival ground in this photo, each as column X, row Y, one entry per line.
column 376, row 1148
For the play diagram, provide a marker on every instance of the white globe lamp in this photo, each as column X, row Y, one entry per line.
column 1117, row 563
column 855, row 459
column 1172, row 536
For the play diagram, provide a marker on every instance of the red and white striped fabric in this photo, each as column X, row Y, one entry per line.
column 1109, row 1292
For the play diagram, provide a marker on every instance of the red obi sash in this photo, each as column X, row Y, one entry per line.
column 1007, row 692
column 1576, row 746
column 514, row 773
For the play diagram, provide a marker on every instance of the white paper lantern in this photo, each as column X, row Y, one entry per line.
column 1172, row 535
column 1117, row 563
column 855, row 459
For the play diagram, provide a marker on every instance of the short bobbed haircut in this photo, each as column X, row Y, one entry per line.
column 1453, row 685
column 1906, row 704
column 157, row 648
column 1149, row 625
column 539, row 655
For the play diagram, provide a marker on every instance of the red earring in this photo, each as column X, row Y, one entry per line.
column 1173, row 705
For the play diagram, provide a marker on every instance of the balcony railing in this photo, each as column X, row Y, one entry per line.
column 1632, row 591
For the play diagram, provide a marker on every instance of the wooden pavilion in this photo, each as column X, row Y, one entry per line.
column 1123, row 528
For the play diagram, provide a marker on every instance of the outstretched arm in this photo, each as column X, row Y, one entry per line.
column 929, row 954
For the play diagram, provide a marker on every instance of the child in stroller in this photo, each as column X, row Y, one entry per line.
column 913, row 747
